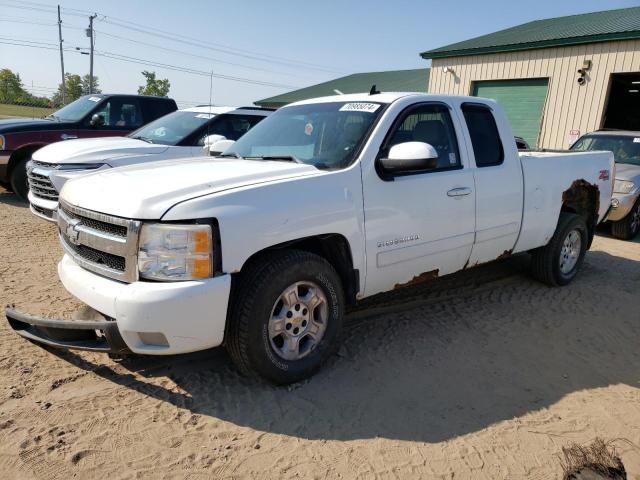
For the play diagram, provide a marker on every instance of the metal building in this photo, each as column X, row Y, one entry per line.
column 389, row 81
column 556, row 78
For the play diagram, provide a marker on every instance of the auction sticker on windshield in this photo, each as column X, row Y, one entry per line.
column 360, row 107
column 95, row 99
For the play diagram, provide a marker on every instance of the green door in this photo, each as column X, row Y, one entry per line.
column 522, row 100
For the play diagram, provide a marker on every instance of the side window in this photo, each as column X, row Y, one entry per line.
column 429, row 124
column 121, row 113
column 485, row 138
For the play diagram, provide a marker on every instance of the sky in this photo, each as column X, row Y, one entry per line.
column 266, row 47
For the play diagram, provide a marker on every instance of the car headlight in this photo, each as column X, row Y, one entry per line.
column 79, row 166
column 175, row 252
column 623, row 186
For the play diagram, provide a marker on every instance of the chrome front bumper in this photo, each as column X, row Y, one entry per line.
column 621, row 205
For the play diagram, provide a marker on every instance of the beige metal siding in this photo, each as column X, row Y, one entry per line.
column 569, row 106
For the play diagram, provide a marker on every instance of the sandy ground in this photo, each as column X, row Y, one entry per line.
column 484, row 374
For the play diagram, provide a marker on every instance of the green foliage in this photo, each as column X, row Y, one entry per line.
column 154, row 87
column 75, row 87
column 12, row 91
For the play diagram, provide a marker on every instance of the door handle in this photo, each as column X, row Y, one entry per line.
column 66, row 136
column 459, row 192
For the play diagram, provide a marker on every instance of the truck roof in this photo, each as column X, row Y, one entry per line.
column 386, row 97
column 217, row 110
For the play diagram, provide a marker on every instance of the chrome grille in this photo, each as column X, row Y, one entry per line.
column 104, row 244
column 39, row 182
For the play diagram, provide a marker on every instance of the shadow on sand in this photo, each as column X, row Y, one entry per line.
column 431, row 362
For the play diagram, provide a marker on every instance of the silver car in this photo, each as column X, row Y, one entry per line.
column 625, row 204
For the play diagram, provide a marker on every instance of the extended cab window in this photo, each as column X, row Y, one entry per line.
column 485, row 138
column 428, row 124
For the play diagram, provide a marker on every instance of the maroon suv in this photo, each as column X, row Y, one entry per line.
column 98, row 115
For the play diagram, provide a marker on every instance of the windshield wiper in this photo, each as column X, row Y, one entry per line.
column 278, row 158
column 144, row 139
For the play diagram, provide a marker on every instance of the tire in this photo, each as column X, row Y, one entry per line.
column 629, row 226
column 258, row 312
column 18, row 180
column 556, row 264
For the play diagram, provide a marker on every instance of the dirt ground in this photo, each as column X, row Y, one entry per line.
column 483, row 374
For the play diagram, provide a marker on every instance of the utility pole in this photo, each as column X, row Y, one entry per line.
column 64, row 88
column 90, row 35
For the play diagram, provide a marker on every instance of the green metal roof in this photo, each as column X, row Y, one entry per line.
column 622, row 24
column 391, row 81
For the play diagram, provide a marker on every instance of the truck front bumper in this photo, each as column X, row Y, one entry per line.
column 153, row 318
column 4, row 165
column 45, row 209
column 92, row 335
column 621, row 205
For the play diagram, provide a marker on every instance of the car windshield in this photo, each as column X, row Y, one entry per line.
column 76, row 110
column 172, row 128
column 325, row 135
column 626, row 149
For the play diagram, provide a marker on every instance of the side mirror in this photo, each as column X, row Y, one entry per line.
column 220, row 146
column 209, row 140
column 410, row 157
column 97, row 120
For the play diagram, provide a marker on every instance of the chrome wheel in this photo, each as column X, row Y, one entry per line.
column 635, row 219
column 298, row 320
column 570, row 253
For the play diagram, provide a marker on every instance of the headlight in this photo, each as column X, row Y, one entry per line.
column 79, row 166
column 2, row 142
column 623, row 186
column 175, row 252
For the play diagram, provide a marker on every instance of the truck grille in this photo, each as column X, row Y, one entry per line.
column 39, row 182
column 104, row 244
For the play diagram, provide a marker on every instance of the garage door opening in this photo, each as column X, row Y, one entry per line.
column 522, row 100
column 622, row 111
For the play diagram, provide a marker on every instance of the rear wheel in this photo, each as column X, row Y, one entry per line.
column 286, row 317
column 629, row 226
column 558, row 262
column 19, row 183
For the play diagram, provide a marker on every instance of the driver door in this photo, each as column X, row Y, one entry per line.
column 419, row 225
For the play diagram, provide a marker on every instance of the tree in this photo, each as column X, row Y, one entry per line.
column 154, row 87
column 12, row 91
column 85, row 85
column 73, row 87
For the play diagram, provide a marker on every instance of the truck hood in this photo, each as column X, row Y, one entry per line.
column 22, row 124
column 625, row 171
column 147, row 191
column 96, row 150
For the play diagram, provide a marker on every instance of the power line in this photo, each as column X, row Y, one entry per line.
column 146, row 30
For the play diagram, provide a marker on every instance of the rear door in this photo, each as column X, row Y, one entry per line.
column 498, row 182
column 419, row 225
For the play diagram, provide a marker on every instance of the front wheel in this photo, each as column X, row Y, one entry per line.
column 558, row 262
column 19, row 183
column 286, row 316
column 629, row 226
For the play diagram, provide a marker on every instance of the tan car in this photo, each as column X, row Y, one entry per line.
column 625, row 204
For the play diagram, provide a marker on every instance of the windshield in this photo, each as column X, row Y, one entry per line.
column 76, row 110
column 626, row 149
column 172, row 128
column 325, row 135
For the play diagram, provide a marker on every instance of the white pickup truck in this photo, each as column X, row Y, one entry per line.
column 324, row 203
